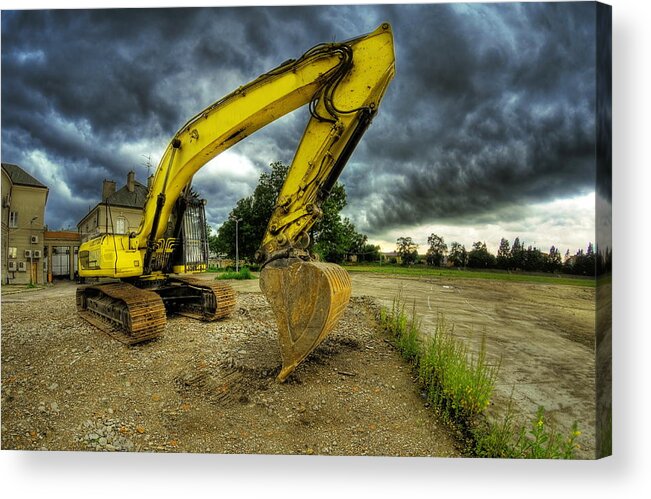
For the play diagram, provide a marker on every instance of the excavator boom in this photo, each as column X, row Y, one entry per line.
column 343, row 83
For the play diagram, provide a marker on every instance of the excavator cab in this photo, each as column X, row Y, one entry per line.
column 184, row 245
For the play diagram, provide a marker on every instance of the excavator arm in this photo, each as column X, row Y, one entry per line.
column 343, row 83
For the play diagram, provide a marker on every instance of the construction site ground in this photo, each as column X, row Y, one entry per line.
column 209, row 387
column 542, row 335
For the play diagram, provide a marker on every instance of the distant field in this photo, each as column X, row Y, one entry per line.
column 418, row 271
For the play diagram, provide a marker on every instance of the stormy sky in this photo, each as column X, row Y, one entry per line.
column 487, row 131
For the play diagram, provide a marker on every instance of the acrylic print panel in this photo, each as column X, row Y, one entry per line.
column 473, row 219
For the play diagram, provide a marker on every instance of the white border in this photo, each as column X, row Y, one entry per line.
column 57, row 474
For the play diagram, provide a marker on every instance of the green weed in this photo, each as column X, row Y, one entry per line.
column 458, row 383
column 244, row 273
column 459, row 386
column 503, row 439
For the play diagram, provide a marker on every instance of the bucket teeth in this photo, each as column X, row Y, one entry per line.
column 307, row 299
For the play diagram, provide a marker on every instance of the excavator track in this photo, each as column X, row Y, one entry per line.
column 211, row 301
column 125, row 312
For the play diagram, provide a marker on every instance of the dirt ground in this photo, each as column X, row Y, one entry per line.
column 354, row 395
column 543, row 335
column 206, row 387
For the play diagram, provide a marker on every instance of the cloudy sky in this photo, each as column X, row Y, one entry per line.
column 487, row 131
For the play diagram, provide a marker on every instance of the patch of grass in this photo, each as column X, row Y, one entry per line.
column 244, row 273
column 459, row 386
column 500, row 275
column 406, row 332
column 458, row 383
column 503, row 439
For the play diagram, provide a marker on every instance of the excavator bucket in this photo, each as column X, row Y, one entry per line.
column 307, row 299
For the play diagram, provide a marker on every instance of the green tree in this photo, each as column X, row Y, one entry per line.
column 503, row 254
column 338, row 239
column 458, row 254
column 554, row 261
column 407, row 249
column 436, row 251
column 335, row 238
column 251, row 227
column 584, row 262
column 479, row 257
column 369, row 253
column 533, row 260
column 517, row 254
column 213, row 241
column 332, row 237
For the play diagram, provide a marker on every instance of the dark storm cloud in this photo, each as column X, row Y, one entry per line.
column 492, row 105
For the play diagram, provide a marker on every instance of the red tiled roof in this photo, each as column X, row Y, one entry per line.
column 68, row 235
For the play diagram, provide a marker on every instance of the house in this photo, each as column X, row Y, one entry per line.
column 390, row 257
column 23, row 223
column 119, row 212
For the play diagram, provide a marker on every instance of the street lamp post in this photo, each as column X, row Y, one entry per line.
column 237, row 251
column 31, row 253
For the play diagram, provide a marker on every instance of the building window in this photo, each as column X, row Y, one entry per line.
column 121, row 226
column 13, row 219
column 12, row 252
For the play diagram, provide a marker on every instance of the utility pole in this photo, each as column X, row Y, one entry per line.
column 237, row 251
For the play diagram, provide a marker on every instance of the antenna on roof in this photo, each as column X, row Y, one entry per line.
column 147, row 163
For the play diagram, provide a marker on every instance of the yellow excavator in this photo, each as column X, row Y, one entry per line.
column 343, row 84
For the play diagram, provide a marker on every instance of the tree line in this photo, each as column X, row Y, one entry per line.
column 509, row 256
column 335, row 239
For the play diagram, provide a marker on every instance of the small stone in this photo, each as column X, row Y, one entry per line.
column 103, row 441
column 53, row 386
column 309, row 451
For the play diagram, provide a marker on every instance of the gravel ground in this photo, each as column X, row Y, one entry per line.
column 206, row 387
